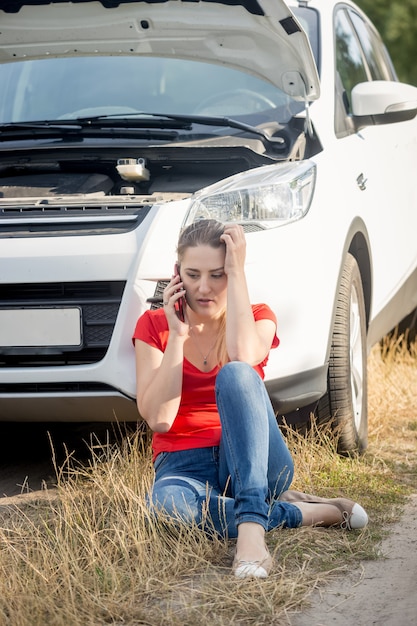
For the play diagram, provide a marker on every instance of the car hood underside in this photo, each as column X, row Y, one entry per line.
column 259, row 36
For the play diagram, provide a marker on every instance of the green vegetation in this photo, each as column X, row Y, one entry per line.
column 397, row 23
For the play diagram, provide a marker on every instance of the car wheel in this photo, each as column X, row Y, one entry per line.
column 344, row 406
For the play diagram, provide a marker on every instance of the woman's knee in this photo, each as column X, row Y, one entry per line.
column 236, row 374
column 178, row 498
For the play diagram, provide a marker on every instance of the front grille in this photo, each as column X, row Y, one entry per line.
column 99, row 303
column 51, row 220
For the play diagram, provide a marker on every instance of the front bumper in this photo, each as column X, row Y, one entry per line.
column 104, row 390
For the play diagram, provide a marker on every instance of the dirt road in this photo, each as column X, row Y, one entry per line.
column 378, row 593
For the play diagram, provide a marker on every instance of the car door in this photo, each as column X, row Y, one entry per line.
column 389, row 200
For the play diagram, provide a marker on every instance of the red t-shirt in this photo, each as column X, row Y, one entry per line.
column 197, row 424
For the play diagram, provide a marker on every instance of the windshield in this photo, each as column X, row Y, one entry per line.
column 67, row 88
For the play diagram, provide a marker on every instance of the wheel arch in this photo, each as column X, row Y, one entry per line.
column 359, row 248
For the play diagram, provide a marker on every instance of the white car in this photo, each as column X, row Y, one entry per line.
column 121, row 121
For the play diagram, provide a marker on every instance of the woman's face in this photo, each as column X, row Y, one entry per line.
column 205, row 283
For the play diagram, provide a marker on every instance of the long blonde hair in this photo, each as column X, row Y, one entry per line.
column 206, row 232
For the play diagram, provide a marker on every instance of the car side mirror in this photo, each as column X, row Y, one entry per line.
column 383, row 102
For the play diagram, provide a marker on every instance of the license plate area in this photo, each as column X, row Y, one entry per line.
column 41, row 327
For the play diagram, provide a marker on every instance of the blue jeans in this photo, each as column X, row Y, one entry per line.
column 218, row 488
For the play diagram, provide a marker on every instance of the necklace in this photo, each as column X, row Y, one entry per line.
column 205, row 357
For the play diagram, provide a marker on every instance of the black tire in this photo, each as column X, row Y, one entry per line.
column 344, row 406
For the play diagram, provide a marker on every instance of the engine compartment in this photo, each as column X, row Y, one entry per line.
column 49, row 184
column 91, row 168
column 152, row 172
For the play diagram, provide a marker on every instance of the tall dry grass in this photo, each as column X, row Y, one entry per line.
column 393, row 405
column 88, row 553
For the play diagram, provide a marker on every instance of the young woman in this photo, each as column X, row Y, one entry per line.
column 219, row 457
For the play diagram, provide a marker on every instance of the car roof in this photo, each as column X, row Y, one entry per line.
column 262, row 37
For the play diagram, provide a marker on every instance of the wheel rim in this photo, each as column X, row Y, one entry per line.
column 356, row 358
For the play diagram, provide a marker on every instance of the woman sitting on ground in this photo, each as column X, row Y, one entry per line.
column 219, row 457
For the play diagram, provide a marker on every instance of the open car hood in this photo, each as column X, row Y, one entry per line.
column 259, row 36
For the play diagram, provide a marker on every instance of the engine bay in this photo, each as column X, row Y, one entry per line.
column 178, row 171
column 102, row 169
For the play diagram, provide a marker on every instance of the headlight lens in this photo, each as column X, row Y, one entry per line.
column 270, row 196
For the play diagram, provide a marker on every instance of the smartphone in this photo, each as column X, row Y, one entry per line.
column 180, row 301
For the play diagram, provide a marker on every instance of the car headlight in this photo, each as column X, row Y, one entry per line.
column 271, row 196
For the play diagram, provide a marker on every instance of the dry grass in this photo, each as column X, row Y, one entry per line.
column 88, row 552
column 392, row 407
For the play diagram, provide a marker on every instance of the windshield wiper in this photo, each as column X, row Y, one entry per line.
column 52, row 125
column 166, row 119
column 139, row 123
column 88, row 127
column 228, row 122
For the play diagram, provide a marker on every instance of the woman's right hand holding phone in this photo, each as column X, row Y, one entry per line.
column 173, row 303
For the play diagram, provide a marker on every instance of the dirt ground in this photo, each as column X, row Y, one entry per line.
column 381, row 592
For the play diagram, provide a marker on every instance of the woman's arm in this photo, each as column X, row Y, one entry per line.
column 158, row 383
column 246, row 340
column 159, row 374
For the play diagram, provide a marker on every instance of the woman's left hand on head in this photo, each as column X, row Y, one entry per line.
column 234, row 238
